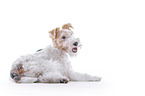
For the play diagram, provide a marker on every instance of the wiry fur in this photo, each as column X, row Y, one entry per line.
column 51, row 65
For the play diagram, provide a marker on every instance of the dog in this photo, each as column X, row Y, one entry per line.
column 51, row 64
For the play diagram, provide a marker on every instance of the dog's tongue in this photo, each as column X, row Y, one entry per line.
column 74, row 49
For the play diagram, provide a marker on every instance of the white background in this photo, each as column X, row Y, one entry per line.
column 112, row 33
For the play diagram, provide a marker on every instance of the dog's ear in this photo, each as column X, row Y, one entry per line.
column 67, row 26
column 54, row 32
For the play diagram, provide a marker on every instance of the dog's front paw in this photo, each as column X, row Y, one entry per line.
column 64, row 80
column 96, row 78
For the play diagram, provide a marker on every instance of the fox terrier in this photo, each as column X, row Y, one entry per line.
column 51, row 64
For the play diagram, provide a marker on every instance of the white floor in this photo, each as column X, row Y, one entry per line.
column 70, row 89
column 103, row 88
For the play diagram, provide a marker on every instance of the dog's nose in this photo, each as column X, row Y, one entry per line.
column 75, row 44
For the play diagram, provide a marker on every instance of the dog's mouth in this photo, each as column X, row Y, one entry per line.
column 74, row 50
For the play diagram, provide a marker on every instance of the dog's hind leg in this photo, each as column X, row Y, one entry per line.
column 17, row 75
column 17, row 72
column 28, row 80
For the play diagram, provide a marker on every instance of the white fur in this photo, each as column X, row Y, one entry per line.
column 67, row 30
column 51, row 65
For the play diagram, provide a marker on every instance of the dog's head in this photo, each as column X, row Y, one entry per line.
column 64, row 39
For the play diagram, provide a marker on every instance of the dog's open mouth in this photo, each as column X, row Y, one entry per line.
column 74, row 50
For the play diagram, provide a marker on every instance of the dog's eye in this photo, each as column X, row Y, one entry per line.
column 63, row 37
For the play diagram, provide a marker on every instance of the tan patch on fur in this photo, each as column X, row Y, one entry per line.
column 67, row 26
column 20, row 71
column 55, row 40
column 56, row 33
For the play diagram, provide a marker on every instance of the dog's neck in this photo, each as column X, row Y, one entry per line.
column 56, row 53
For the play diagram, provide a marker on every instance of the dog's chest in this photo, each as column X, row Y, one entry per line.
column 65, row 67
